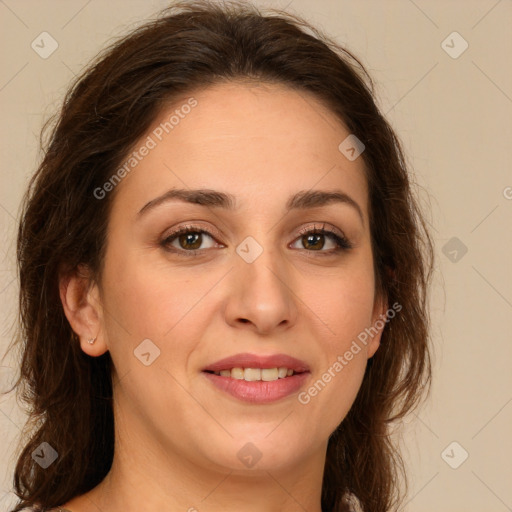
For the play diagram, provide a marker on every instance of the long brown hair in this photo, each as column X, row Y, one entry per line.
column 192, row 45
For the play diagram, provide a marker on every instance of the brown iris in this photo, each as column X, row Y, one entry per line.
column 189, row 238
column 320, row 243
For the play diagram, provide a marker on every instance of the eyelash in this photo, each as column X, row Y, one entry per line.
column 343, row 244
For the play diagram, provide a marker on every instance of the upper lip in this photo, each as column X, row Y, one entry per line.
column 247, row 360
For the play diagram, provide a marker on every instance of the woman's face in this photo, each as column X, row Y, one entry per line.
column 247, row 279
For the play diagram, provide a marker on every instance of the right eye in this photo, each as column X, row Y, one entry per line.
column 189, row 238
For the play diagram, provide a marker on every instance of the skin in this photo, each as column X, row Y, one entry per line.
column 177, row 436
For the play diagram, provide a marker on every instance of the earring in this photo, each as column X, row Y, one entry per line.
column 91, row 340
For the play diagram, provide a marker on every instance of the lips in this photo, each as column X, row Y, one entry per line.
column 247, row 360
column 258, row 392
column 244, row 384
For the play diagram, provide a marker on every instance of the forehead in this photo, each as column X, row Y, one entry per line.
column 260, row 142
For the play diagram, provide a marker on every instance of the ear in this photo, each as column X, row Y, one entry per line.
column 82, row 306
column 380, row 308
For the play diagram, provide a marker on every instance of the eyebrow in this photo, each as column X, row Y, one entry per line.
column 303, row 199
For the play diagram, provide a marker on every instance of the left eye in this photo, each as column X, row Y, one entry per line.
column 315, row 239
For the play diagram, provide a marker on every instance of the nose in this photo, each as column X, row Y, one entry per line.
column 262, row 297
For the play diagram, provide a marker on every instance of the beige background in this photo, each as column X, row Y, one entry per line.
column 454, row 116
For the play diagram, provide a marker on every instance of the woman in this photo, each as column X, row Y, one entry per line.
column 223, row 278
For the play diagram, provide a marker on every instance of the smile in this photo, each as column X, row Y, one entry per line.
column 256, row 374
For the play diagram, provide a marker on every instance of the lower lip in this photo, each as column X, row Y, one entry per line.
column 258, row 391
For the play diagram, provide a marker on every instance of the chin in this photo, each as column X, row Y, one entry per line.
column 264, row 450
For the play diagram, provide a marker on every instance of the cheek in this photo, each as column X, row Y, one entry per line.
column 345, row 308
column 150, row 300
column 159, row 302
column 344, row 303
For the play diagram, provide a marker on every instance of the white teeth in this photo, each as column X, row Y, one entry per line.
column 282, row 372
column 251, row 374
column 256, row 374
column 269, row 374
column 237, row 373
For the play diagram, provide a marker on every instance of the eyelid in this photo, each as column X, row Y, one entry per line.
column 191, row 226
column 324, row 227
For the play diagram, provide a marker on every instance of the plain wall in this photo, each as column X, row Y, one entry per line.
column 454, row 117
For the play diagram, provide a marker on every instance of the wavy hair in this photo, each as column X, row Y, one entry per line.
column 187, row 47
